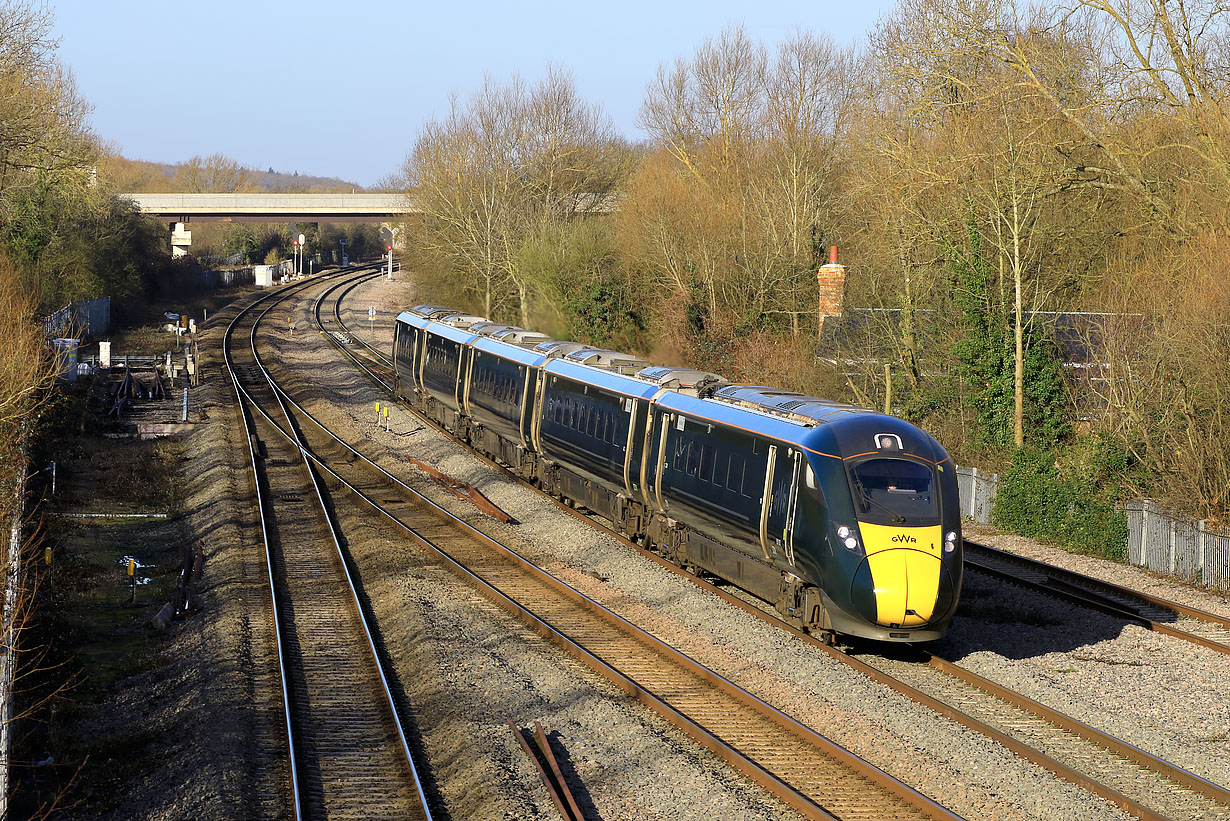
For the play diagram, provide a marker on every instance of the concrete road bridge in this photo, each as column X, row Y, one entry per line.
column 180, row 209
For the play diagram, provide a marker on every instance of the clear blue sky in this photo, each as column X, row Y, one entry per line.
column 170, row 80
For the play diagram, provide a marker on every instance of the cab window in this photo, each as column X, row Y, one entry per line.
column 895, row 491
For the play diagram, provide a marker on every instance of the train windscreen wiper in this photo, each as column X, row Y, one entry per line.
column 865, row 496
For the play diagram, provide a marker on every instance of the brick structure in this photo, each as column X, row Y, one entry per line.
column 831, row 279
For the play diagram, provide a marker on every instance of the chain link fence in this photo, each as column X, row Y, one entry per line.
column 1180, row 546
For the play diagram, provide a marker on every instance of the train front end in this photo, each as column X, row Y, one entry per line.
column 891, row 562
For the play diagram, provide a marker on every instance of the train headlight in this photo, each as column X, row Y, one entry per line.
column 950, row 541
column 847, row 537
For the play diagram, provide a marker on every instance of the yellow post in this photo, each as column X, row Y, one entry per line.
column 47, row 556
column 132, row 568
column 377, row 408
column 386, row 417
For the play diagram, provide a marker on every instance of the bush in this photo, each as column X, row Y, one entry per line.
column 1067, row 497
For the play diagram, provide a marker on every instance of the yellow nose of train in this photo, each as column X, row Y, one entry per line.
column 905, row 571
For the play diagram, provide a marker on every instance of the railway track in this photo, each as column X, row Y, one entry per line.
column 802, row 768
column 348, row 755
column 1128, row 777
column 1157, row 614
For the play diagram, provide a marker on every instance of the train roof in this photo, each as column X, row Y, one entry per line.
column 701, row 411
column 464, row 321
column 559, row 347
column 505, row 350
column 521, row 337
column 433, row 311
column 462, row 334
column 610, row 380
column 795, row 407
column 699, row 383
column 610, row 360
column 489, row 328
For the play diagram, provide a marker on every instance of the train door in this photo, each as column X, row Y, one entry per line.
column 540, row 394
column 399, row 341
column 656, row 434
column 464, row 388
column 420, row 357
column 777, row 505
column 766, row 501
column 634, row 448
column 793, row 506
column 459, row 389
column 525, row 425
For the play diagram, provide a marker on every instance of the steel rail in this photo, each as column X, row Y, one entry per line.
column 245, row 399
column 1108, row 742
column 383, row 362
column 1074, row 587
column 334, row 527
column 376, row 353
column 1112, row 744
column 551, row 775
column 335, row 532
column 250, row 431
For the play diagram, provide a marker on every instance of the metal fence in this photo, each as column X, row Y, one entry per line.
column 1180, row 546
column 1183, row 547
column 977, row 489
column 89, row 317
column 224, row 278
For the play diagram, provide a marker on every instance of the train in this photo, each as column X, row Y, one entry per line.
column 845, row 520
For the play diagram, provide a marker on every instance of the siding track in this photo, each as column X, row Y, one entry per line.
column 1157, row 614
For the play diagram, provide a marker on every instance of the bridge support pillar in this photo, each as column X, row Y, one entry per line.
column 181, row 240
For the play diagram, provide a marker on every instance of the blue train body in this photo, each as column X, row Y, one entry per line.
column 846, row 520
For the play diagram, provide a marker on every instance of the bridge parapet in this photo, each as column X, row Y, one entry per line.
column 265, row 207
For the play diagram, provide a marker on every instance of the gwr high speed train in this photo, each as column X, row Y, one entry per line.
column 844, row 519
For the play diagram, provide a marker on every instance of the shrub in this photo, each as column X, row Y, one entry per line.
column 1067, row 497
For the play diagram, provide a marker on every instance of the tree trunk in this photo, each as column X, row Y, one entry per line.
column 1018, row 372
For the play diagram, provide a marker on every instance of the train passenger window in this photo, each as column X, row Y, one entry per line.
column 734, row 480
column 681, row 454
column 693, row 458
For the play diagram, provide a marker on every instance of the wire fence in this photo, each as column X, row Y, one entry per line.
column 1183, row 547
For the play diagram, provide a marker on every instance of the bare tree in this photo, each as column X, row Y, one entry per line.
column 215, row 174
column 42, row 118
column 505, row 167
column 752, row 140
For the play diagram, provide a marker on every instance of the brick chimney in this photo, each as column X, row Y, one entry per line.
column 832, row 281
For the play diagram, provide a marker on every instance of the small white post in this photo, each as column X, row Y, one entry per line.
column 1173, row 528
column 1201, row 536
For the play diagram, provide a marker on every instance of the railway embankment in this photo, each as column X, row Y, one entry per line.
column 147, row 712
